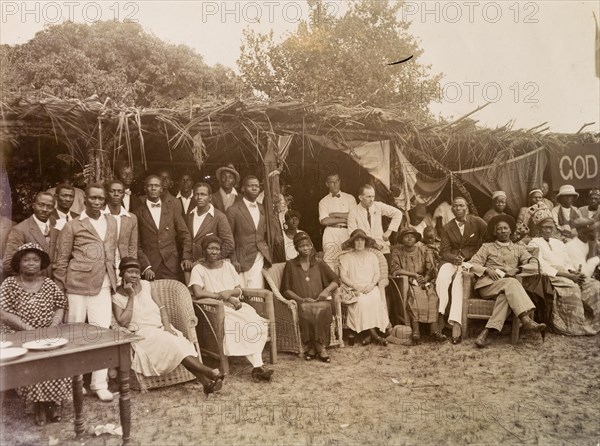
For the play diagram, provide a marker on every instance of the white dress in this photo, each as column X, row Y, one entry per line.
column 245, row 331
column 160, row 352
column 370, row 311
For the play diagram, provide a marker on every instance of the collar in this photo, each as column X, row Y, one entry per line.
column 150, row 203
column 211, row 211
column 504, row 244
column 122, row 213
column 233, row 191
column 296, row 260
column 62, row 214
column 249, row 203
column 185, row 198
column 84, row 215
column 39, row 222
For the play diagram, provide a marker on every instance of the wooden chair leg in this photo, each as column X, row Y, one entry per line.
column 514, row 338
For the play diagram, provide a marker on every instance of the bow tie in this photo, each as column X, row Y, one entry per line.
column 335, row 195
column 252, row 205
column 154, row 205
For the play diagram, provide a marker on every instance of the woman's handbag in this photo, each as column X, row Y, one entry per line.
column 347, row 295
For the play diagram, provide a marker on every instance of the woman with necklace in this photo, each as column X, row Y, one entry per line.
column 29, row 301
column 311, row 283
column 245, row 331
column 163, row 347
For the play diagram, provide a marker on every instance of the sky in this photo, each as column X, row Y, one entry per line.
column 534, row 61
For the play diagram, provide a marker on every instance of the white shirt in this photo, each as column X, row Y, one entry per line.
column 228, row 198
column 553, row 256
column 62, row 219
column 155, row 211
column 578, row 252
column 44, row 226
column 461, row 227
column 127, row 199
column 185, row 201
column 100, row 225
column 254, row 212
column 199, row 219
column 330, row 205
column 357, row 219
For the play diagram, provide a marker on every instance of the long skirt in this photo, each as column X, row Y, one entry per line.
column 422, row 304
column 576, row 311
column 315, row 322
column 370, row 311
column 245, row 331
column 48, row 391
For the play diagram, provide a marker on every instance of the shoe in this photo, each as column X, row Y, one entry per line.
column 40, row 413
column 456, row 340
column 104, row 395
column 53, row 412
column 530, row 325
column 212, row 387
column 261, row 374
column 366, row 341
column 436, row 336
column 481, row 340
column 379, row 340
column 416, row 339
column 326, row 359
column 309, row 356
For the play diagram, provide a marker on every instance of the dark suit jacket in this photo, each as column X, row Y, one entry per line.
column 248, row 239
column 159, row 245
column 217, row 200
column 217, row 225
column 468, row 243
column 28, row 232
column 82, row 258
column 191, row 208
column 54, row 216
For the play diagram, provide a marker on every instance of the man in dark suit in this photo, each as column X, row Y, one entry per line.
column 461, row 238
column 186, row 194
column 85, row 270
column 65, row 197
column 161, row 227
column 166, row 196
column 247, row 220
column 37, row 229
column 207, row 220
column 226, row 195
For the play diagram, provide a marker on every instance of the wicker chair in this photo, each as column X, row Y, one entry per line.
column 178, row 303
column 399, row 285
column 211, row 326
column 286, row 315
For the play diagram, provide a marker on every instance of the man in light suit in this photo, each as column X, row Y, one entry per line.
column 65, row 197
column 37, row 229
column 223, row 198
column 461, row 238
column 207, row 220
column 162, row 235
column 247, row 220
column 85, row 270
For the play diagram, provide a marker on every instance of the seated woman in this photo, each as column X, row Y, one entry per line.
column 417, row 262
column 246, row 332
column 524, row 230
column 576, row 308
column 359, row 270
column 163, row 347
column 28, row 301
column 311, row 282
column 498, row 205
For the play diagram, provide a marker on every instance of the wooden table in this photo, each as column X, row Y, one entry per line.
column 89, row 348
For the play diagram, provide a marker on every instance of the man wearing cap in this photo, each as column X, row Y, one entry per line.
column 584, row 250
column 496, row 264
column 333, row 214
column 499, row 205
column 461, row 238
column 576, row 309
column 65, row 196
column 591, row 210
column 564, row 213
column 228, row 177
column 85, row 270
column 35, row 229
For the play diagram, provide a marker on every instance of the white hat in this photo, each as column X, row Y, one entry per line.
column 498, row 193
column 565, row 190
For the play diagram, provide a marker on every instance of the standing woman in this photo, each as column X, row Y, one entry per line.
column 29, row 301
column 311, row 282
column 290, row 229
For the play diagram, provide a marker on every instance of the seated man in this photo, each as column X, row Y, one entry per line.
column 495, row 265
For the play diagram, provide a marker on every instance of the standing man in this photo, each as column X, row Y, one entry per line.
column 247, row 220
column 333, row 214
column 186, row 194
column 564, row 213
column 226, row 195
column 126, row 176
column 205, row 220
column 65, row 197
column 85, row 270
column 367, row 216
column 35, row 229
column 161, row 227
column 166, row 196
column 461, row 238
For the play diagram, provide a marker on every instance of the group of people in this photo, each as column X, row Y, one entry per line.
column 61, row 263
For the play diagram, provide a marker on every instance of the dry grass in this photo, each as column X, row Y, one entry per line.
column 532, row 393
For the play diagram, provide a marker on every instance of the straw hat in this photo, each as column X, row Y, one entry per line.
column 229, row 168
column 24, row 249
column 359, row 233
column 566, row 190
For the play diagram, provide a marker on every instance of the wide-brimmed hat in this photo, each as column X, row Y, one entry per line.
column 409, row 230
column 565, row 190
column 24, row 249
column 491, row 227
column 541, row 215
column 128, row 262
column 359, row 233
column 229, row 168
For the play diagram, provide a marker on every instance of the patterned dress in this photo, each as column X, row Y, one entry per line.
column 36, row 309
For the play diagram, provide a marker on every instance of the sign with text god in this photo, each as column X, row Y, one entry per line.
column 578, row 165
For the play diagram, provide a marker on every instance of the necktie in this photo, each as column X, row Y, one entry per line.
column 155, row 205
column 47, row 232
column 460, row 223
column 67, row 217
column 335, row 195
column 369, row 217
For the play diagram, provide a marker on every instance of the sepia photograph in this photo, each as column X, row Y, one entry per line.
column 299, row 222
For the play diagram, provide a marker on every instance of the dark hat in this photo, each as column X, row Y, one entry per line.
column 409, row 230
column 229, row 168
column 300, row 237
column 359, row 233
column 24, row 249
column 128, row 262
column 491, row 227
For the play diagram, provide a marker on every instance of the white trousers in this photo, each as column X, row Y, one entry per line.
column 256, row 359
column 253, row 278
column 442, row 284
column 98, row 310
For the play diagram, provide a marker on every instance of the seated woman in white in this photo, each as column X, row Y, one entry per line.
column 163, row 347
column 245, row 331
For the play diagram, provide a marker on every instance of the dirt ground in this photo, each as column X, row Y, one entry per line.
column 531, row 393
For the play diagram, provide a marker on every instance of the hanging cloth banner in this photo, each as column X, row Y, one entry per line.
column 515, row 177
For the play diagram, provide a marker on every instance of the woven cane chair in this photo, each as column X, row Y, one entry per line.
column 286, row 315
column 178, row 303
column 211, row 326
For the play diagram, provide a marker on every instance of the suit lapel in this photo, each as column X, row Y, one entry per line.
column 37, row 234
column 145, row 214
column 164, row 216
column 205, row 224
column 468, row 230
column 453, row 226
column 87, row 225
column 246, row 213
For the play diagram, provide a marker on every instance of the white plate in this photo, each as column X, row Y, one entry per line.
column 5, row 344
column 45, row 344
column 6, row 354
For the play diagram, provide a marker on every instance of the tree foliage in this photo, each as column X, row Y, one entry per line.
column 342, row 58
column 110, row 59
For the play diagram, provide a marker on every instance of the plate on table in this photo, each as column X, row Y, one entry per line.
column 6, row 354
column 5, row 344
column 45, row 344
